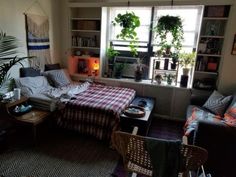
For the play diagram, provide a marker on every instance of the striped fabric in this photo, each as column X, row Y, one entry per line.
column 38, row 44
column 217, row 103
column 96, row 111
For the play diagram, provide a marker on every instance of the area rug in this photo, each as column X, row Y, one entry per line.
column 60, row 156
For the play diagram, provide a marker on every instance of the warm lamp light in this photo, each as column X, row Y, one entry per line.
column 96, row 67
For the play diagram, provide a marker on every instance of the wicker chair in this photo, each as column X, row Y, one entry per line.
column 136, row 158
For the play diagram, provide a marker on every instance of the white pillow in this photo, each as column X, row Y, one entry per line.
column 32, row 85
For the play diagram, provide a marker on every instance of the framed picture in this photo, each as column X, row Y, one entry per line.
column 233, row 52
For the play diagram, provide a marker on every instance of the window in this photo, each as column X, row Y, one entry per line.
column 146, row 40
column 142, row 32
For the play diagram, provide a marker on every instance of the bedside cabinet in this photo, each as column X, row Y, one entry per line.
column 143, row 123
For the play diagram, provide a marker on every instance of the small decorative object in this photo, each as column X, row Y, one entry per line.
column 233, row 52
column 129, row 22
column 173, row 25
column 169, row 78
column 187, row 61
column 138, row 74
column 134, row 111
column 158, row 78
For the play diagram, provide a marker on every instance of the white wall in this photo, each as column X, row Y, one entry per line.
column 12, row 21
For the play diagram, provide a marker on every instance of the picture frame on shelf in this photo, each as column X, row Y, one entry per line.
column 233, row 52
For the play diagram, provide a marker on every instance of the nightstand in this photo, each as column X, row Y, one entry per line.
column 33, row 118
column 143, row 123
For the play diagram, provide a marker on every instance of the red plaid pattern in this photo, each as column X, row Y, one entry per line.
column 96, row 111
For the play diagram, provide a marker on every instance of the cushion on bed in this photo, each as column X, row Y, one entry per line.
column 57, row 78
column 49, row 67
column 32, row 85
column 29, row 72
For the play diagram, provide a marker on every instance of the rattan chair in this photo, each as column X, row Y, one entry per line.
column 136, row 158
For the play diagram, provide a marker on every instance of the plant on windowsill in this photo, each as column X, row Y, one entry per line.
column 8, row 50
column 169, row 78
column 111, row 54
column 128, row 22
column 169, row 25
column 118, row 70
column 186, row 61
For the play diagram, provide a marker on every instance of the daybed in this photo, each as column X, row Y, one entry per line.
column 214, row 131
column 88, row 108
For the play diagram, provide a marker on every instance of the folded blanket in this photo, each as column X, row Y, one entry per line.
column 165, row 157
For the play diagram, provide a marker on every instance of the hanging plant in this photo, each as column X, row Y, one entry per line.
column 173, row 25
column 129, row 22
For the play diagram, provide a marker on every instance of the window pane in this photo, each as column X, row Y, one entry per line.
column 142, row 31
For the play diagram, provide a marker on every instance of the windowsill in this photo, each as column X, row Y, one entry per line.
column 127, row 80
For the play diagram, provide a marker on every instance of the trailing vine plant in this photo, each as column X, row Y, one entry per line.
column 173, row 25
column 129, row 22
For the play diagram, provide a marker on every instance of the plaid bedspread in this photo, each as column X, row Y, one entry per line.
column 96, row 111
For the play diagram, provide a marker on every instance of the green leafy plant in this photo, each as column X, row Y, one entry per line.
column 169, row 78
column 129, row 22
column 169, row 24
column 187, row 60
column 8, row 57
column 111, row 53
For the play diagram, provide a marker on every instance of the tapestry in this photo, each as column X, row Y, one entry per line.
column 37, row 30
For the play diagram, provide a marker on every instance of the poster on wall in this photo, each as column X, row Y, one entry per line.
column 37, row 30
column 233, row 52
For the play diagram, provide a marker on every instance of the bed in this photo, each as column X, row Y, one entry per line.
column 88, row 108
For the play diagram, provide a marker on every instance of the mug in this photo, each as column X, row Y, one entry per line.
column 17, row 93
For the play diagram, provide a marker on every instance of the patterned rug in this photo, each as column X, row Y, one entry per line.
column 60, row 156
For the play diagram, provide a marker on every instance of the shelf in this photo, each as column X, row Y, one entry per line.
column 208, row 55
column 86, row 31
column 92, row 48
column 206, row 72
column 215, row 18
column 208, row 36
column 85, row 19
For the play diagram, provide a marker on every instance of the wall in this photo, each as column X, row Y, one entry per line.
column 12, row 21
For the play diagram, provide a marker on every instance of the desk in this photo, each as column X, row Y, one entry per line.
column 143, row 123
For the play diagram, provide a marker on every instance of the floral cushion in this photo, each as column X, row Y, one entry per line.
column 199, row 114
column 230, row 115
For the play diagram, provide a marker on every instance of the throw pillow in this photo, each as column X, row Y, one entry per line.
column 49, row 67
column 29, row 72
column 58, row 78
column 217, row 103
column 230, row 114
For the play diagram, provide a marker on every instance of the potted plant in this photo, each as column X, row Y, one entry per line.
column 175, row 59
column 8, row 50
column 186, row 61
column 118, row 69
column 158, row 78
column 128, row 22
column 173, row 25
column 111, row 54
column 169, row 78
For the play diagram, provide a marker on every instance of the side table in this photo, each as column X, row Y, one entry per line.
column 32, row 118
column 143, row 123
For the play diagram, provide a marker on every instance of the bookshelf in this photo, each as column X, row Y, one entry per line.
column 209, row 51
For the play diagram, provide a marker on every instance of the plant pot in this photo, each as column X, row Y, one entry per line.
column 173, row 66
column 186, row 71
column 138, row 76
column 118, row 74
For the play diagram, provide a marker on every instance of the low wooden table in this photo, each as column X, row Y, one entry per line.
column 143, row 123
column 32, row 118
